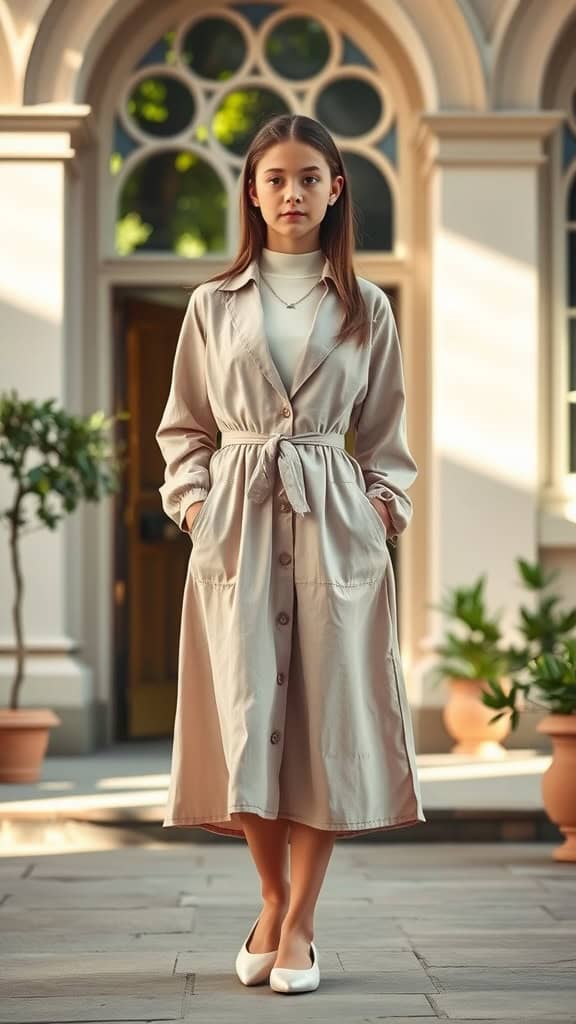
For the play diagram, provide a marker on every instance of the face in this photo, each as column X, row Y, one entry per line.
column 293, row 177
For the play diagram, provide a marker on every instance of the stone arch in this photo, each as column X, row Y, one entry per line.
column 439, row 58
column 561, row 60
column 527, row 51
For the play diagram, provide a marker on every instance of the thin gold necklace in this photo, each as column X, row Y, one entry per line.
column 290, row 305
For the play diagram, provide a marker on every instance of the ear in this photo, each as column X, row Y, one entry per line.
column 336, row 190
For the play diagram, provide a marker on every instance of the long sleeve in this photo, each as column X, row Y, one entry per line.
column 187, row 431
column 381, row 446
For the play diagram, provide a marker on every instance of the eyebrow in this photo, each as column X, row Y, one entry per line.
column 313, row 167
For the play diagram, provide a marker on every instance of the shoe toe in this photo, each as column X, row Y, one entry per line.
column 254, row 968
column 287, row 979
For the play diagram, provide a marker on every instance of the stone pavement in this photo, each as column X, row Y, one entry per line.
column 405, row 933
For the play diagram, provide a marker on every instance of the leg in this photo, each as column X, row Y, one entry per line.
column 268, row 843
column 310, row 852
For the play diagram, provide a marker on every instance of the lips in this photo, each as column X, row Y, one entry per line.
column 293, row 213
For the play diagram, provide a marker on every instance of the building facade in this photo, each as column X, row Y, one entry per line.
column 123, row 128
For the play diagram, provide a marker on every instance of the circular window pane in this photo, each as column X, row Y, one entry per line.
column 242, row 113
column 172, row 202
column 349, row 107
column 161, row 105
column 372, row 203
column 214, row 48
column 297, row 48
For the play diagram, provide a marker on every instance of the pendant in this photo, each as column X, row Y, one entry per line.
column 290, row 305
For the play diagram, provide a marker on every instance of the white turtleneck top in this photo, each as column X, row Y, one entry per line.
column 291, row 275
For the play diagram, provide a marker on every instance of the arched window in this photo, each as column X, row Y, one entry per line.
column 195, row 100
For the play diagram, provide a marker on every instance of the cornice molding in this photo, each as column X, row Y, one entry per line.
column 50, row 131
column 504, row 138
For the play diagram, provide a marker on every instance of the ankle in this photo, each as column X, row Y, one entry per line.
column 297, row 925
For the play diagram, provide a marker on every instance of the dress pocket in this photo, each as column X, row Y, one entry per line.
column 375, row 512
column 199, row 517
column 382, row 532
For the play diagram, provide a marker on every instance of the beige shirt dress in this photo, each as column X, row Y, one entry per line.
column 291, row 696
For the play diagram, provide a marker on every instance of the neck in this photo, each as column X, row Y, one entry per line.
column 292, row 264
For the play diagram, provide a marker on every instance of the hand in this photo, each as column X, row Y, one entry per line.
column 382, row 509
column 192, row 512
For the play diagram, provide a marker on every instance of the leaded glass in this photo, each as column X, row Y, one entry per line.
column 173, row 201
column 161, row 105
column 241, row 113
column 350, row 106
column 372, row 202
column 297, row 48
column 214, row 48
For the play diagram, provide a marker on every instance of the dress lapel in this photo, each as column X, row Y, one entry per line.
column 244, row 305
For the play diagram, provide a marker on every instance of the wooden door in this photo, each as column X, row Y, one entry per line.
column 155, row 550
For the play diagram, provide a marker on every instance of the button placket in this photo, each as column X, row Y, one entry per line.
column 283, row 596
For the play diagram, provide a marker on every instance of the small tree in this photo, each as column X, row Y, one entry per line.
column 60, row 460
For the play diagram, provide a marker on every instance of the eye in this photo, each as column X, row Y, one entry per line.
column 309, row 177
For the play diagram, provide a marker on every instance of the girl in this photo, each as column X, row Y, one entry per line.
column 292, row 722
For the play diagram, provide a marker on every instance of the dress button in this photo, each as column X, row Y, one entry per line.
column 275, row 736
column 285, row 558
column 282, row 617
column 285, row 507
column 286, row 410
column 280, row 678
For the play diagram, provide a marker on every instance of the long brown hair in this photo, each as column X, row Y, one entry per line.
column 336, row 229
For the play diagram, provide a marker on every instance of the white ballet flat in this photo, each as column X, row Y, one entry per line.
column 288, row 979
column 253, row 968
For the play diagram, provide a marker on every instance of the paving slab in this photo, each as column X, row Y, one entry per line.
column 531, row 1005
column 168, row 919
column 404, row 933
column 49, row 1010
column 560, row 978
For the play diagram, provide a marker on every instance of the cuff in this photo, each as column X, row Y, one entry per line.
column 384, row 494
column 187, row 499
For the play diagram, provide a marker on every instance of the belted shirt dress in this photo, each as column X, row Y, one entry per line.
column 291, row 695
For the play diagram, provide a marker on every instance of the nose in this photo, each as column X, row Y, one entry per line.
column 292, row 193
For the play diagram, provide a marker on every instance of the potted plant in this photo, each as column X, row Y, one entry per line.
column 58, row 460
column 469, row 658
column 543, row 627
column 546, row 665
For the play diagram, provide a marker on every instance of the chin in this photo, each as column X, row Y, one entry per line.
column 294, row 223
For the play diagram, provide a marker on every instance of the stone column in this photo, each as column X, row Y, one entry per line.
column 38, row 157
column 483, row 173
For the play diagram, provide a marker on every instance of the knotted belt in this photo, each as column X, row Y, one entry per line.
column 281, row 449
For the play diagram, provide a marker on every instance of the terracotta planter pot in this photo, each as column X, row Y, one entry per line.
column 466, row 718
column 559, row 781
column 24, row 736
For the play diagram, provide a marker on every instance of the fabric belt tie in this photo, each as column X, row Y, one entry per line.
column 281, row 449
